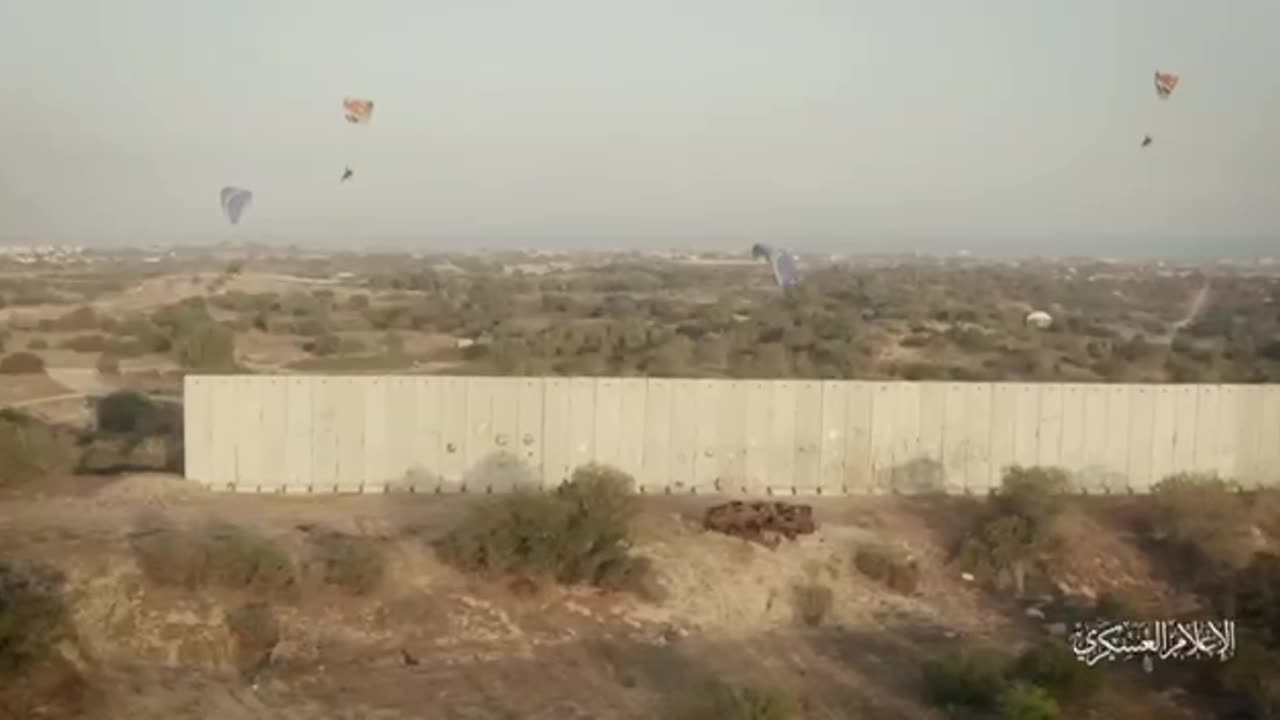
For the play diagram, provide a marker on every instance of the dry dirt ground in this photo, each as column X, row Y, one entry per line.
column 59, row 394
column 484, row 652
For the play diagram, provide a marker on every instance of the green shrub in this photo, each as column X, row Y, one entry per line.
column 1053, row 667
column 256, row 632
column 1036, row 493
column 602, row 511
column 887, row 565
column 519, row 533
column 720, row 701
column 34, row 615
column 1256, row 599
column 21, row 363
column 206, row 346
column 126, row 411
column 1022, row 701
column 1019, row 526
column 581, row 533
column 1253, row 674
column 1203, row 521
column 355, row 564
column 971, row 679
column 217, row 555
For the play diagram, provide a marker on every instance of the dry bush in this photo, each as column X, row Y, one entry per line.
column 579, row 534
column 86, row 344
column 1118, row 605
column 323, row 345
column 37, row 680
column 812, row 603
column 517, row 534
column 34, row 615
column 108, row 364
column 29, row 448
column 1256, row 604
column 890, row 566
column 1017, row 532
column 78, row 320
column 355, row 564
column 1253, row 676
column 1265, row 512
column 971, row 679
column 717, row 700
column 256, row 632
column 1204, row 522
column 216, row 555
column 21, row 363
column 51, row 688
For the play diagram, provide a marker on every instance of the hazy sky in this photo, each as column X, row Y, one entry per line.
column 849, row 124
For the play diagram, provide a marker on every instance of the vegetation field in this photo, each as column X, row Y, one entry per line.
column 126, row 593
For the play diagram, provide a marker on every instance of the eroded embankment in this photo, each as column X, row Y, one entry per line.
column 330, row 638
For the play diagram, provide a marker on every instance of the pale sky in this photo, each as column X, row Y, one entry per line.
column 854, row 125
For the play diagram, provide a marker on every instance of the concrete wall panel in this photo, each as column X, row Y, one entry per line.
column 324, row 434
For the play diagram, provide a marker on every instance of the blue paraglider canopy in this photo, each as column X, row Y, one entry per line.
column 234, row 202
column 783, row 264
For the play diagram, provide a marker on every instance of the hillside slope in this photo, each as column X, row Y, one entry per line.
column 428, row 642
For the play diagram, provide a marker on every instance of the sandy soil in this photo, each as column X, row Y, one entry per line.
column 20, row 390
column 480, row 651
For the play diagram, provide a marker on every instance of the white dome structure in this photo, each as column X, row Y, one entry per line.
column 1039, row 319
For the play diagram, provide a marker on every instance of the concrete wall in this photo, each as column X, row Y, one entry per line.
column 292, row 433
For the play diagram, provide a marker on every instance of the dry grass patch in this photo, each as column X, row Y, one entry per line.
column 353, row 563
column 29, row 448
column 215, row 556
column 718, row 700
column 34, row 615
column 36, row 679
column 813, row 603
column 255, row 631
column 888, row 565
